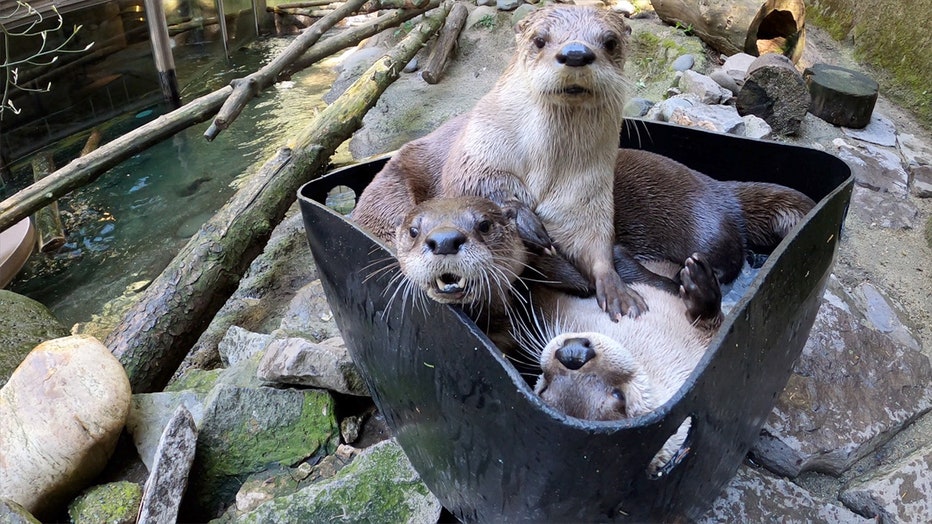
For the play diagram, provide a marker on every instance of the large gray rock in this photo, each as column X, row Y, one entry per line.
column 875, row 168
column 755, row 496
column 899, row 493
column 878, row 131
column 916, row 151
column 922, row 181
column 240, row 344
column 704, row 87
column 308, row 315
column 113, row 503
column 664, row 110
column 300, row 362
column 150, row 414
column 247, row 429
column 13, row 513
column 381, row 476
column 828, row 416
column 61, row 413
column 719, row 118
column 24, row 324
column 884, row 210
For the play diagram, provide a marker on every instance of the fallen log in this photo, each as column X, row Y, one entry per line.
column 446, row 42
column 50, row 233
column 353, row 36
column 370, row 6
column 158, row 330
column 245, row 89
column 754, row 27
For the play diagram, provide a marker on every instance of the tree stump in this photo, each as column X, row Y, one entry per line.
column 776, row 92
column 841, row 96
column 755, row 27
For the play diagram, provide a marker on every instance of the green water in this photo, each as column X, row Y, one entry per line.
column 129, row 224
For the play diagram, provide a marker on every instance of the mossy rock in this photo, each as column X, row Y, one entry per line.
column 114, row 503
column 13, row 513
column 378, row 486
column 24, row 325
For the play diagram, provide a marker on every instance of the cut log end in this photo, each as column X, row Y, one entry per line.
column 841, row 96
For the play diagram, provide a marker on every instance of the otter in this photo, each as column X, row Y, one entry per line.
column 546, row 135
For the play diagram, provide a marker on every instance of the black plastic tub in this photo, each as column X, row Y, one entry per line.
column 492, row 451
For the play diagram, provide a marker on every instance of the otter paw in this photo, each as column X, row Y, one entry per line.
column 616, row 298
column 530, row 227
column 700, row 289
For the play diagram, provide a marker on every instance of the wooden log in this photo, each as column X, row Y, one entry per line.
column 370, row 6
column 93, row 142
column 50, row 233
column 841, row 96
column 754, row 27
column 446, row 42
column 351, row 37
column 245, row 89
column 158, row 330
column 776, row 92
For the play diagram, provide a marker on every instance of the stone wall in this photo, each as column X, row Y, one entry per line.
column 890, row 35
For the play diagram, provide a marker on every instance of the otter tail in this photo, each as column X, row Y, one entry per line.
column 771, row 211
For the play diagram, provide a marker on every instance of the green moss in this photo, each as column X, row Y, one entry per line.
column 199, row 380
column 115, row 503
column 24, row 324
column 891, row 44
column 486, row 22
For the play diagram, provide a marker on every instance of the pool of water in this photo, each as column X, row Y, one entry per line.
column 131, row 222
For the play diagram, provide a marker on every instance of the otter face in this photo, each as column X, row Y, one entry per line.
column 591, row 376
column 574, row 55
column 462, row 250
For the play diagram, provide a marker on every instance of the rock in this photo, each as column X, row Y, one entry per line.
column 13, row 513
column 261, row 299
column 841, row 96
column 737, row 65
column 168, row 476
column 916, row 151
column 247, row 429
column 349, row 429
column 664, row 110
column 637, row 107
column 150, row 414
column 881, row 316
column 101, row 324
column 484, row 16
column 755, row 127
column 24, row 324
column 114, row 503
column 485, row 3
column 507, row 5
column 624, row 7
column 61, row 413
column 754, row 496
column 900, row 493
column 922, row 181
column 240, row 344
column 775, row 91
column 683, row 62
column 725, row 80
column 381, row 476
column 522, row 11
column 299, row 362
column 708, row 90
column 883, row 210
column 874, row 168
column 308, row 315
column 411, row 66
column 828, row 417
column 718, row 118
column 878, row 131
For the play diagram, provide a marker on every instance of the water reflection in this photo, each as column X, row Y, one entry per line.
column 128, row 225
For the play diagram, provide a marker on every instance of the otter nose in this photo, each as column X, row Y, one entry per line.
column 575, row 352
column 445, row 241
column 575, row 54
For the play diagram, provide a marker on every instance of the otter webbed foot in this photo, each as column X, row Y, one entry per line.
column 616, row 298
column 700, row 290
column 530, row 227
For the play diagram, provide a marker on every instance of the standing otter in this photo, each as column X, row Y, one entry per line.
column 546, row 135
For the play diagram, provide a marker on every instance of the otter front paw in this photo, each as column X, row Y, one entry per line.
column 700, row 289
column 617, row 298
column 530, row 228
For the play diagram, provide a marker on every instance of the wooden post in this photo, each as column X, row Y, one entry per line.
column 50, row 233
column 444, row 45
column 162, row 52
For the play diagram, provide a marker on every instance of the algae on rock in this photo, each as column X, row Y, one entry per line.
column 114, row 503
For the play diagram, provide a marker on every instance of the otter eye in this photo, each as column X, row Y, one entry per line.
column 619, row 395
column 610, row 44
column 539, row 42
column 413, row 232
column 484, row 227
